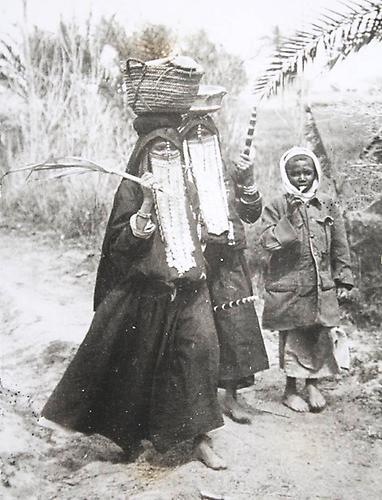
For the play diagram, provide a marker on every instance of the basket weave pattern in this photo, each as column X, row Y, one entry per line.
column 160, row 88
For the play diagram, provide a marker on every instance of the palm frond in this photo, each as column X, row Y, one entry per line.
column 335, row 34
column 71, row 165
column 66, row 162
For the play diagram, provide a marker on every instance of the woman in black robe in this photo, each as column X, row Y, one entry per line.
column 148, row 367
column 224, row 208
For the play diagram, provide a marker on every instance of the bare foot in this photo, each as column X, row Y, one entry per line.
column 204, row 453
column 315, row 399
column 295, row 402
column 234, row 411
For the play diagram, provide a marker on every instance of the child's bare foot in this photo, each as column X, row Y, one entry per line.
column 233, row 410
column 291, row 399
column 295, row 402
column 204, row 453
column 315, row 399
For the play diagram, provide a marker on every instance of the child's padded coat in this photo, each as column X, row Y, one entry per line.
column 309, row 256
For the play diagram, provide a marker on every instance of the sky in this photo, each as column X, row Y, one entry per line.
column 239, row 25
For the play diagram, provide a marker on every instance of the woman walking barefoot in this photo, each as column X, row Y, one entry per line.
column 148, row 367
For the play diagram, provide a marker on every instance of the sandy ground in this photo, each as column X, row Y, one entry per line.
column 45, row 298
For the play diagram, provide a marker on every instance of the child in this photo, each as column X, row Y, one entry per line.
column 304, row 233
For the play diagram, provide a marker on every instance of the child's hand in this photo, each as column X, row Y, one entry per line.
column 293, row 202
column 343, row 293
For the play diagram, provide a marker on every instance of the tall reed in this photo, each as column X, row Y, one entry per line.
column 63, row 112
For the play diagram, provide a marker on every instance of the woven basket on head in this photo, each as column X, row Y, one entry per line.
column 162, row 85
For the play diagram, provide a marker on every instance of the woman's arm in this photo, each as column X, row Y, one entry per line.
column 248, row 199
column 123, row 241
column 141, row 223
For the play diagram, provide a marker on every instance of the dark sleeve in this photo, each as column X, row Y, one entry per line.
column 120, row 244
column 250, row 211
column 340, row 253
column 277, row 230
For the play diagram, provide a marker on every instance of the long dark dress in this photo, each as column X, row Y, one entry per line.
column 242, row 350
column 148, row 367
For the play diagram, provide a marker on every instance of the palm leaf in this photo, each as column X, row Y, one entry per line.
column 69, row 165
column 335, row 34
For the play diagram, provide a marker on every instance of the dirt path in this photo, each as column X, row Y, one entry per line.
column 45, row 298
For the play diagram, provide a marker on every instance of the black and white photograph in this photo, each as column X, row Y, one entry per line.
column 190, row 250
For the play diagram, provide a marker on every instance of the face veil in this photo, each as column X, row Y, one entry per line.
column 203, row 157
column 171, row 207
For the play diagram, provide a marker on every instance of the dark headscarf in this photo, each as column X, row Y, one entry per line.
column 149, row 127
column 190, row 122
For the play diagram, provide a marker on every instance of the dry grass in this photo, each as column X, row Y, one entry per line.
column 59, row 107
column 58, row 104
column 63, row 112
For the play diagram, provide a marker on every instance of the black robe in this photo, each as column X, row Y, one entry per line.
column 242, row 350
column 148, row 367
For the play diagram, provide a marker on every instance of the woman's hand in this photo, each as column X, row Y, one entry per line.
column 143, row 217
column 148, row 185
column 244, row 171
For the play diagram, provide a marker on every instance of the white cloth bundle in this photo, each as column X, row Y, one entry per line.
column 340, row 345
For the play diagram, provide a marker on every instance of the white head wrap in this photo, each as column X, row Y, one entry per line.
column 288, row 187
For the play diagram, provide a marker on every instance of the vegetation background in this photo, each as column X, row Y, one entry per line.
column 59, row 96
